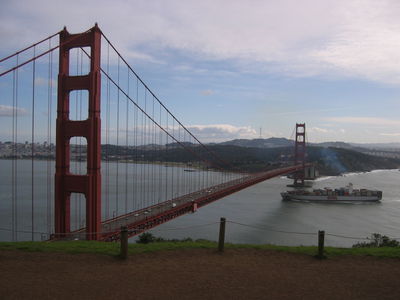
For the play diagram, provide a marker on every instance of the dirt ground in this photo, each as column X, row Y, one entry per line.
column 196, row 274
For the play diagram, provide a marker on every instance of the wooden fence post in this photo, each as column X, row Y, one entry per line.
column 221, row 239
column 124, row 243
column 321, row 238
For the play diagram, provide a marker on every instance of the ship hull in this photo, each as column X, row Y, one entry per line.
column 333, row 198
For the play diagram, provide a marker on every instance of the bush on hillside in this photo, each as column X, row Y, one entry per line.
column 147, row 237
column 378, row 240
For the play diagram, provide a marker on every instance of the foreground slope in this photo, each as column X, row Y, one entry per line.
column 196, row 274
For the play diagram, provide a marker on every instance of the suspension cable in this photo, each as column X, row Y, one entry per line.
column 167, row 110
column 29, row 47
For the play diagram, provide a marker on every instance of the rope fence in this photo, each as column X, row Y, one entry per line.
column 124, row 235
column 271, row 230
column 263, row 228
column 187, row 227
column 305, row 233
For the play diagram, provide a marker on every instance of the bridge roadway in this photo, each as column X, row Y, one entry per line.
column 144, row 219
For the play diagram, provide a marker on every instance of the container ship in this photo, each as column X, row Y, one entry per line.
column 346, row 194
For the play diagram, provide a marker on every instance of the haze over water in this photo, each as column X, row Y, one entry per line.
column 259, row 207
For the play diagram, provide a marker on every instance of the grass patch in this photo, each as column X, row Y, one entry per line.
column 105, row 248
column 73, row 247
column 112, row 249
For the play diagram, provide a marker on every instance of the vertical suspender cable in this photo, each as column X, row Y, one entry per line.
column 49, row 149
column 145, row 155
column 142, row 182
column 76, row 214
column 187, row 175
column 160, row 138
column 79, row 200
column 136, row 192
column 107, row 187
column 153, row 141
column 148, row 203
column 15, row 155
column 180, row 169
column 166, row 157
column 33, row 147
column 13, row 169
column 117, row 148
column 172, row 166
column 198, row 187
column 126, row 148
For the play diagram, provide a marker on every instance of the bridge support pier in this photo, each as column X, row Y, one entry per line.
column 65, row 182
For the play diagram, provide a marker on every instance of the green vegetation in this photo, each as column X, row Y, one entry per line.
column 378, row 241
column 335, row 161
column 106, row 248
column 244, row 155
column 147, row 238
column 329, row 160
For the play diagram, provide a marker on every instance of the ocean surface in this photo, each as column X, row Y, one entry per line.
column 255, row 215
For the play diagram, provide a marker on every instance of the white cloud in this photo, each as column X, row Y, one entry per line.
column 7, row 111
column 222, row 132
column 299, row 38
column 366, row 42
column 45, row 81
column 390, row 134
column 207, row 92
column 205, row 134
column 324, row 134
column 317, row 129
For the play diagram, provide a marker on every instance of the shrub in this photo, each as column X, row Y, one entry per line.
column 146, row 238
column 378, row 240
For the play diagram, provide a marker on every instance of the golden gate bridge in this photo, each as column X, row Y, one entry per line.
column 122, row 158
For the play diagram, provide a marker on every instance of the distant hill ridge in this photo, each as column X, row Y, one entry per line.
column 260, row 143
column 275, row 142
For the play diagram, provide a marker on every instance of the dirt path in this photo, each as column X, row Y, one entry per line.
column 196, row 274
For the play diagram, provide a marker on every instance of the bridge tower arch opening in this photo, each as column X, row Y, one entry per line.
column 66, row 183
column 300, row 153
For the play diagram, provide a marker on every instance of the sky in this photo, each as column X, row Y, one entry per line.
column 227, row 69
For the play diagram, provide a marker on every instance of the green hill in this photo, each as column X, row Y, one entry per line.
column 329, row 161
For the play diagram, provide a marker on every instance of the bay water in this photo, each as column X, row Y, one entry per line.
column 255, row 215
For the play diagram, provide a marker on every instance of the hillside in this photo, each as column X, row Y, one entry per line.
column 260, row 143
column 329, row 160
column 241, row 272
column 334, row 161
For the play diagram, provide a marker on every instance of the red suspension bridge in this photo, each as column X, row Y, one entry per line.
column 121, row 157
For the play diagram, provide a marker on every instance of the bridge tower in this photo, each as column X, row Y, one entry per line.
column 65, row 182
column 300, row 153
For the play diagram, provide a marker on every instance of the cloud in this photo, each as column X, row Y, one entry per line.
column 40, row 81
column 309, row 38
column 325, row 132
column 317, row 129
column 364, row 121
column 205, row 133
column 390, row 134
column 207, row 92
column 366, row 43
column 8, row 111
column 222, row 132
